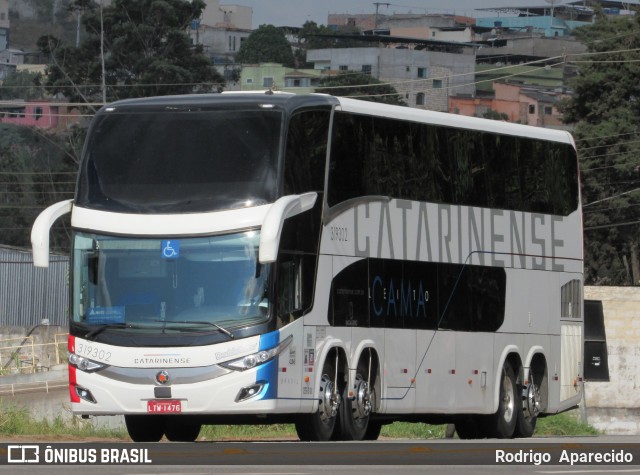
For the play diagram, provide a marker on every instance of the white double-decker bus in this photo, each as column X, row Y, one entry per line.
column 334, row 263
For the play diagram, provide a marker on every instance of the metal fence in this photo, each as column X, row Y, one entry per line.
column 31, row 295
column 26, row 355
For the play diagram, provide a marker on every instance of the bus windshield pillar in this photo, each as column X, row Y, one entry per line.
column 41, row 228
column 283, row 208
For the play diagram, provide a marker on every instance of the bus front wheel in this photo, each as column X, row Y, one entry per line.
column 321, row 425
column 145, row 428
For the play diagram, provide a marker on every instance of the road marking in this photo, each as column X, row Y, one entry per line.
column 606, row 469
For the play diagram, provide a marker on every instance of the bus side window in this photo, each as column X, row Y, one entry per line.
column 306, row 152
column 289, row 289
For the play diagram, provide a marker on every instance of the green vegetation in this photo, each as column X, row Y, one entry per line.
column 413, row 430
column 147, row 52
column 37, row 169
column 567, row 423
column 267, row 44
column 538, row 74
column 271, row 432
column 19, row 422
column 360, row 86
column 605, row 109
column 16, row 421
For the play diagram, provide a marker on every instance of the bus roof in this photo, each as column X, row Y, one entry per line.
column 452, row 120
column 293, row 101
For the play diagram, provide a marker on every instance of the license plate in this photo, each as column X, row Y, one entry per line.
column 164, row 407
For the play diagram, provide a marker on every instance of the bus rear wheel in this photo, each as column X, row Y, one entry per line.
column 502, row 424
column 321, row 425
column 528, row 413
column 143, row 428
column 355, row 413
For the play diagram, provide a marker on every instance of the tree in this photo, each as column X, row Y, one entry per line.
column 314, row 36
column 22, row 85
column 147, row 52
column 37, row 169
column 606, row 110
column 267, row 44
column 361, row 86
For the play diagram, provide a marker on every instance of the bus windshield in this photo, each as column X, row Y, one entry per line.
column 191, row 284
column 168, row 160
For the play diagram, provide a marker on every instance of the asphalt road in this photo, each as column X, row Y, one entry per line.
column 590, row 455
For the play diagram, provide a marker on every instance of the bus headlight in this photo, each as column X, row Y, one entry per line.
column 85, row 364
column 257, row 359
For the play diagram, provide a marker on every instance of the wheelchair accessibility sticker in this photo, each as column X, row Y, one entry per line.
column 170, row 249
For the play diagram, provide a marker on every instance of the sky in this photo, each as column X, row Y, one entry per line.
column 296, row 12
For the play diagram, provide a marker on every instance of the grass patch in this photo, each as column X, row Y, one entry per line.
column 567, row 423
column 16, row 421
column 397, row 430
column 413, row 430
column 249, row 432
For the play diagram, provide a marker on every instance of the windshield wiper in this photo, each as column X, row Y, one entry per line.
column 195, row 322
column 107, row 326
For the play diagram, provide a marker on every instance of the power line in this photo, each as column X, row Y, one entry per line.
column 616, row 225
column 39, row 173
column 611, row 197
column 607, row 136
column 611, row 208
column 612, row 154
column 582, row 149
column 391, row 83
column 23, row 183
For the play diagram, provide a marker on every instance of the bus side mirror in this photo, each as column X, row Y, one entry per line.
column 41, row 228
column 283, row 208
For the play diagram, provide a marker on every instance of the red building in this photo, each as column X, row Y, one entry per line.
column 522, row 104
column 34, row 114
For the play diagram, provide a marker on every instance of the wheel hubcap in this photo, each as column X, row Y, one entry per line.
column 531, row 401
column 363, row 403
column 507, row 400
column 329, row 399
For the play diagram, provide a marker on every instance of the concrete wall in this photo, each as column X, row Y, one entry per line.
column 531, row 46
column 448, row 73
column 237, row 16
column 37, row 353
column 614, row 407
column 46, row 397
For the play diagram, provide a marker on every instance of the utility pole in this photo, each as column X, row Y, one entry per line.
column 104, row 85
column 377, row 4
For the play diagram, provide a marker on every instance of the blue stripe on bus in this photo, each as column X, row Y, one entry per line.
column 269, row 340
column 268, row 372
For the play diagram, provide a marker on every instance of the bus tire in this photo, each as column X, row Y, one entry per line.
column 502, row 424
column 143, row 428
column 529, row 409
column 373, row 430
column 471, row 427
column 179, row 430
column 355, row 414
column 321, row 425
